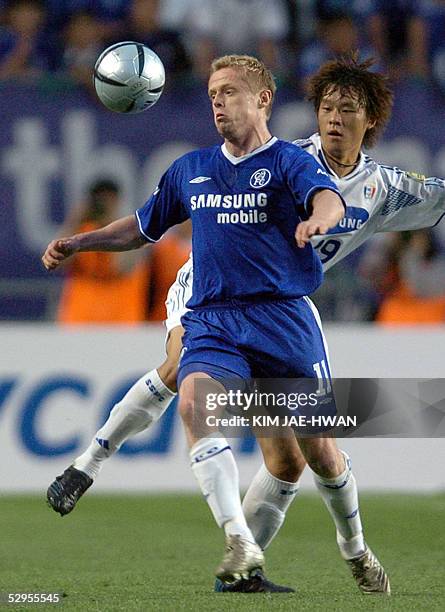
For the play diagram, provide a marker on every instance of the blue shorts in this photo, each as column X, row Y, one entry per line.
column 270, row 339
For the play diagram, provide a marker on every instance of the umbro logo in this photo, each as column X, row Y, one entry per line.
column 103, row 443
column 201, row 179
column 320, row 171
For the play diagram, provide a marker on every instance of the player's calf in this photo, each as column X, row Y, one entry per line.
column 142, row 406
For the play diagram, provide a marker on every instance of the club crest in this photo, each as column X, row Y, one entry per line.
column 369, row 191
column 260, row 178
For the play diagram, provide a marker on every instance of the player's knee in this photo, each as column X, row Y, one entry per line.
column 186, row 402
column 287, row 467
column 192, row 401
column 325, row 463
column 185, row 408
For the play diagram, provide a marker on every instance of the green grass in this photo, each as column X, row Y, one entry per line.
column 159, row 552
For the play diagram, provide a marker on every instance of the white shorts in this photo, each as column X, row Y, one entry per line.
column 178, row 295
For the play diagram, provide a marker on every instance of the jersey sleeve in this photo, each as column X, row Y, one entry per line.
column 163, row 209
column 411, row 201
column 305, row 177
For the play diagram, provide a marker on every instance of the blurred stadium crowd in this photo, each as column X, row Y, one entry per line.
column 62, row 38
column 293, row 36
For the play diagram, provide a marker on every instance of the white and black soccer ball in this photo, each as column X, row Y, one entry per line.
column 129, row 77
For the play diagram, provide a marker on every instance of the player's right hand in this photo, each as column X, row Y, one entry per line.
column 306, row 229
column 57, row 251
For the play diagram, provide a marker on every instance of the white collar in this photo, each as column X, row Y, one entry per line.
column 237, row 160
column 325, row 160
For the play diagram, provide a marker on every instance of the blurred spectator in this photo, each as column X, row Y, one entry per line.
column 344, row 296
column 256, row 27
column 428, row 40
column 378, row 268
column 3, row 6
column 82, row 45
column 168, row 255
column 392, row 34
column 410, row 269
column 175, row 14
column 144, row 25
column 110, row 14
column 25, row 49
column 357, row 9
column 103, row 287
column 338, row 35
column 303, row 21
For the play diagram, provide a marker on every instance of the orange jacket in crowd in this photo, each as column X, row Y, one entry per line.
column 95, row 291
column 168, row 255
column 403, row 307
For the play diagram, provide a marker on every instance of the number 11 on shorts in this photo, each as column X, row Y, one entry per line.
column 324, row 382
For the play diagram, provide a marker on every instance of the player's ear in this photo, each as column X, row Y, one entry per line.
column 264, row 99
column 371, row 124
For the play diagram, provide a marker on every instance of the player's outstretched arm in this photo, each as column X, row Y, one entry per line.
column 327, row 211
column 121, row 235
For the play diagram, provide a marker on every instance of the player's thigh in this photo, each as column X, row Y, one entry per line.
column 174, row 343
column 169, row 369
column 282, row 455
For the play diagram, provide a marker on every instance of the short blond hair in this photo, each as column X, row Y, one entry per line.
column 256, row 73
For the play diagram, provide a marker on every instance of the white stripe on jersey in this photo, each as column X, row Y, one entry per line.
column 320, row 327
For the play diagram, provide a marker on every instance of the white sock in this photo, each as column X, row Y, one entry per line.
column 217, row 474
column 142, row 406
column 341, row 498
column 265, row 505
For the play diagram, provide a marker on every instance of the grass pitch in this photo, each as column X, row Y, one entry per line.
column 159, row 553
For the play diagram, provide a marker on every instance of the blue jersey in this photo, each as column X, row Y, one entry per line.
column 244, row 213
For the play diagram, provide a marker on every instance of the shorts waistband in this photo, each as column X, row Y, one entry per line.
column 233, row 304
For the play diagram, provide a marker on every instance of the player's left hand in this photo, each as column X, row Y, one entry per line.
column 306, row 229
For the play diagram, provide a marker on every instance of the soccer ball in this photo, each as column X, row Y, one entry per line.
column 129, row 77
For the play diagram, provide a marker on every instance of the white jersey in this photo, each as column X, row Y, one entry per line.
column 179, row 294
column 379, row 198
